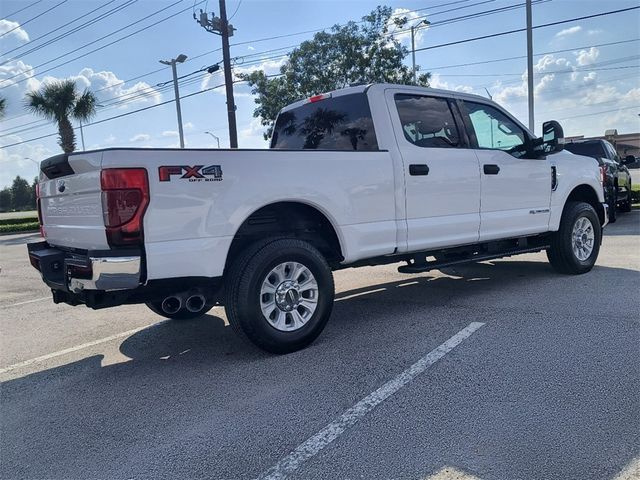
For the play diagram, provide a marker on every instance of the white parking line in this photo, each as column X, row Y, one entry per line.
column 28, row 301
column 328, row 434
column 77, row 347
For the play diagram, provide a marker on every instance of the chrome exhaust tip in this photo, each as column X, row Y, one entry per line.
column 171, row 305
column 195, row 303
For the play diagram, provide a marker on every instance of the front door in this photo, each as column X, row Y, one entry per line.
column 516, row 191
column 441, row 173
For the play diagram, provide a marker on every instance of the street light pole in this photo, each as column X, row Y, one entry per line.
column 413, row 47
column 82, row 135
column 216, row 137
column 180, row 58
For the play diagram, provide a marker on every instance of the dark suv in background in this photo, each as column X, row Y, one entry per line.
column 616, row 179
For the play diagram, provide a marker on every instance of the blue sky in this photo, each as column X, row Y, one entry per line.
column 587, row 85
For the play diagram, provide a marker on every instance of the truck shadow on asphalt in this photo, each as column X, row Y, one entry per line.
column 195, row 383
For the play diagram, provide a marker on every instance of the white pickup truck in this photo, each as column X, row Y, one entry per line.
column 367, row 175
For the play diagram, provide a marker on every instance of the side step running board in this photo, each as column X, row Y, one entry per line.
column 418, row 267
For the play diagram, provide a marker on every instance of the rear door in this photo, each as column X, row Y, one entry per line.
column 516, row 191
column 71, row 201
column 441, row 174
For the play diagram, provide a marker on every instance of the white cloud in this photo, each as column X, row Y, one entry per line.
column 249, row 47
column 140, row 137
column 437, row 82
column 16, row 30
column 250, row 136
column 587, row 57
column 110, row 140
column 568, row 31
column 14, row 89
column 169, row 133
column 574, row 97
column 16, row 160
column 595, row 31
column 404, row 33
column 189, row 126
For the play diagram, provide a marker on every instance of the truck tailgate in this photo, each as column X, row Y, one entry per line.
column 71, row 201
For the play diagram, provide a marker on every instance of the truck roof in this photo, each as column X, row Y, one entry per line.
column 384, row 86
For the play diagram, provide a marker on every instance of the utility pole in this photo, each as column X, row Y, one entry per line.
column 179, row 59
column 220, row 26
column 530, row 66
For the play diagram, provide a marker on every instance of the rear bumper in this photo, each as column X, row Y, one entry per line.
column 74, row 272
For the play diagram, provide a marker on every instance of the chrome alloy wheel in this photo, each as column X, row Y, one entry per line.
column 582, row 238
column 289, row 296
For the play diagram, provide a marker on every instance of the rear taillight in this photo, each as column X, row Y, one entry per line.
column 603, row 174
column 125, row 196
column 39, row 207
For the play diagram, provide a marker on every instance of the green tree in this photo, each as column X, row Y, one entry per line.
column 3, row 106
column 363, row 52
column 21, row 194
column 60, row 102
column 6, row 200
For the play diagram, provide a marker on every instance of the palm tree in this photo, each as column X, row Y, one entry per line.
column 60, row 101
column 3, row 106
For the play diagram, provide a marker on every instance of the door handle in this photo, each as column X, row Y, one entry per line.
column 491, row 169
column 418, row 169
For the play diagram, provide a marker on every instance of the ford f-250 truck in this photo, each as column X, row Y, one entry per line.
column 367, row 175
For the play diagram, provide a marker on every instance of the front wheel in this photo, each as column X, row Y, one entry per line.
column 575, row 246
column 279, row 294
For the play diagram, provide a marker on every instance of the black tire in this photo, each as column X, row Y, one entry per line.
column 611, row 201
column 626, row 205
column 243, row 282
column 182, row 314
column 561, row 254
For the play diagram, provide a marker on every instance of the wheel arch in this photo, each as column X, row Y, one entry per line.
column 586, row 193
column 294, row 219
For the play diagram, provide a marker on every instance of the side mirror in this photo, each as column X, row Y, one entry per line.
column 628, row 159
column 552, row 137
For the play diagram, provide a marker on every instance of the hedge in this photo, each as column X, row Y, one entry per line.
column 18, row 221
column 21, row 227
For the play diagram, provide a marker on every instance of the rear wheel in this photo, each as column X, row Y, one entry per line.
column 279, row 294
column 575, row 246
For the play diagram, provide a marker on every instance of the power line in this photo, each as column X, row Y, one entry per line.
column 442, row 67
column 129, row 113
column 32, row 18
column 235, row 11
column 106, row 45
column 87, row 24
column 599, row 113
column 509, row 32
column 22, row 9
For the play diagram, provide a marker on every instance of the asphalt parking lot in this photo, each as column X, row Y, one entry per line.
column 501, row 370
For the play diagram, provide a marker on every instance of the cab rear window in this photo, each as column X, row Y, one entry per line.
column 336, row 123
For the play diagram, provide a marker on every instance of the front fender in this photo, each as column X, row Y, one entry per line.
column 573, row 171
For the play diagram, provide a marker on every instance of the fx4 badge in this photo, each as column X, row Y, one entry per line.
column 199, row 173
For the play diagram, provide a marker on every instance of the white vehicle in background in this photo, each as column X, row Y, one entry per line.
column 367, row 175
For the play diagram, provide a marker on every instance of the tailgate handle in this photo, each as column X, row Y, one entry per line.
column 418, row 169
column 491, row 169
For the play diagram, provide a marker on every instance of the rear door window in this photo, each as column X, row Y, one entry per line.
column 427, row 121
column 335, row 123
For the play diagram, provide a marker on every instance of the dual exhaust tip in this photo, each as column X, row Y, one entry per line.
column 193, row 303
